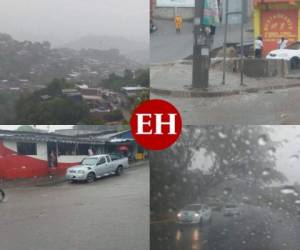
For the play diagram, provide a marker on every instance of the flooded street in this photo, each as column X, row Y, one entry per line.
column 112, row 213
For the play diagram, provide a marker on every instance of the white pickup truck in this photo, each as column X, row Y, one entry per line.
column 96, row 166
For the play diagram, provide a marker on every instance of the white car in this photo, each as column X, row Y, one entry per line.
column 231, row 210
column 96, row 166
column 194, row 214
column 291, row 53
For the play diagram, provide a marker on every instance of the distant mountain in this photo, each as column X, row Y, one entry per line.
column 136, row 51
column 38, row 63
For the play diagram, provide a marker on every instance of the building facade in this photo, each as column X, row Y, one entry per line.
column 274, row 19
column 36, row 154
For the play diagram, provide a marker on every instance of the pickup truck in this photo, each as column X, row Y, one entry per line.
column 96, row 166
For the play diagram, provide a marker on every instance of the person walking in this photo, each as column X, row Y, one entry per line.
column 258, row 46
column 178, row 23
column 282, row 43
column 90, row 152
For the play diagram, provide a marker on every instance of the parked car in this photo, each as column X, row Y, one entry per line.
column 291, row 53
column 231, row 210
column 96, row 166
column 195, row 214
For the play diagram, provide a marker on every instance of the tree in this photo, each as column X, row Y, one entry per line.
column 244, row 153
column 56, row 109
column 128, row 75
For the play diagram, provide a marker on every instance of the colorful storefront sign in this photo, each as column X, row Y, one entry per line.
column 274, row 19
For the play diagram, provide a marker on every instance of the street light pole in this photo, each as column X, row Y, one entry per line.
column 201, row 49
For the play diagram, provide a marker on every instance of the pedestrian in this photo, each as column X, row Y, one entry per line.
column 258, row 46
column 90, row 152
column 53, row 159
column 178, row 23
column 282, row 43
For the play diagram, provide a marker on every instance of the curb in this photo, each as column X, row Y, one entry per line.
column 138, row 164
column 201, row 93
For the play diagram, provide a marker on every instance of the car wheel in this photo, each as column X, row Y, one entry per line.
column 119, row 171
column 90, row 178
column 2, row 195
column 295, row 63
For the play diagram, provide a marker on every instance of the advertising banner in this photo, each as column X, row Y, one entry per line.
column 211, row 12
column 276, row 24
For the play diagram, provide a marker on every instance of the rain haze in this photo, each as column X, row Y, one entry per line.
column 62, row 21
column 44, row 127
column 287, row 154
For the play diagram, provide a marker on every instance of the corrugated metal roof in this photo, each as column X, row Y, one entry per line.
column 47, row 137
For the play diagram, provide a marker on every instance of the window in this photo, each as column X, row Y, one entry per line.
column 101, row 161
column 26, row 148
column 82, row 149
column 107, row 159
column 66, row 149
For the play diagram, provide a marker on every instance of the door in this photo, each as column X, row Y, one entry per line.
column 101, row 167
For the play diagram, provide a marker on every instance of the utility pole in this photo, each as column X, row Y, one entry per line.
column 201, row 58
column 242, row 14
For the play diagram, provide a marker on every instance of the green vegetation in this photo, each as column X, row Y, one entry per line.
column 57, row 109
column 241, row 157
column 140, row 77
column 7, row 106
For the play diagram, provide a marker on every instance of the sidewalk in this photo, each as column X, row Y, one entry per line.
column 47, row 180
column 175, row 79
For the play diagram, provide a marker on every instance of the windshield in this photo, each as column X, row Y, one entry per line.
column 247, row 176
column 193, row 207
column 89, row 161
column 294, row 46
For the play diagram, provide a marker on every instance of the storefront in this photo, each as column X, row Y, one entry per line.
column 274, row 19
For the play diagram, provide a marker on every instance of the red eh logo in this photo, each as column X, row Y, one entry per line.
column 156, row 124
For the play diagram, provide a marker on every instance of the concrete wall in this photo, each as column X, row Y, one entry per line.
column 265, row 68
column 169, row 13
column 254, row 67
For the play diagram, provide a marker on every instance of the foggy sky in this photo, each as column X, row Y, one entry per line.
column 61, row 21
column 289, row 136
column 46, row 127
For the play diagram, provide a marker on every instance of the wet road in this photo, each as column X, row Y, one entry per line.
column 112, row 213
column 275, row 107
column 256, row 228
column 168, row 46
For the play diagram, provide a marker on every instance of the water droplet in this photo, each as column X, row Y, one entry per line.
column 262, row 140
column 225, row 162
column 222, row 135
column 294, row 158
column 265, row 173
column 271, row 151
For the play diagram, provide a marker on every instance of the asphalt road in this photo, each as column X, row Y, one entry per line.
column 256, row 228
column 275, row 107
column 112, row 213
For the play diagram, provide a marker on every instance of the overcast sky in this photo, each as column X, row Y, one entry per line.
column 287, row 155
column 61, row 21
column 47, row 127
